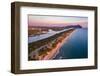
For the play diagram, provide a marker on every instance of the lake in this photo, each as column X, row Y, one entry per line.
column 76, row 46
column 44, row 36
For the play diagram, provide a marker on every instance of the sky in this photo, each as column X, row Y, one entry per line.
column 44, row 20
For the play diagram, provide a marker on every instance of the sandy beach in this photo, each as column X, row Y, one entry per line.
column 55, row 51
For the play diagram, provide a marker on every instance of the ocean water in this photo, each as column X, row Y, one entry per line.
column 76, row 46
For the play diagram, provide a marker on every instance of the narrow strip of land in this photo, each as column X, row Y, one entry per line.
column 54, row 51
column 47, row 48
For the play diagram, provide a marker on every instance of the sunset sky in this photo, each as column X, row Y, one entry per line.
column 42, row 20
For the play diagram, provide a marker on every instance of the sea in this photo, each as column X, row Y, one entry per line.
column 76, row 46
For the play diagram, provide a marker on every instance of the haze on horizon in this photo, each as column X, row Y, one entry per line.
column 58, row 21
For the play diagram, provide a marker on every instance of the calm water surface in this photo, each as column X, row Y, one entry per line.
column 76, row 46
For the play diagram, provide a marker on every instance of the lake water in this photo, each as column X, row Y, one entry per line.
column 76, row 46
column 44, row 36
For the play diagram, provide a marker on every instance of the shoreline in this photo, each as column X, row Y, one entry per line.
column 55, row 51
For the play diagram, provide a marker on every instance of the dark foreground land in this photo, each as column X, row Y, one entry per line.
column 45, row 49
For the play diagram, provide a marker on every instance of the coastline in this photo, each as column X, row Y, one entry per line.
column 55, row 51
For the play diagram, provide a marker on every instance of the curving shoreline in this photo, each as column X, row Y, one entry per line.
column 55, row 51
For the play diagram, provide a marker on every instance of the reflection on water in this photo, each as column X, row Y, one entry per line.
column 76, row 46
